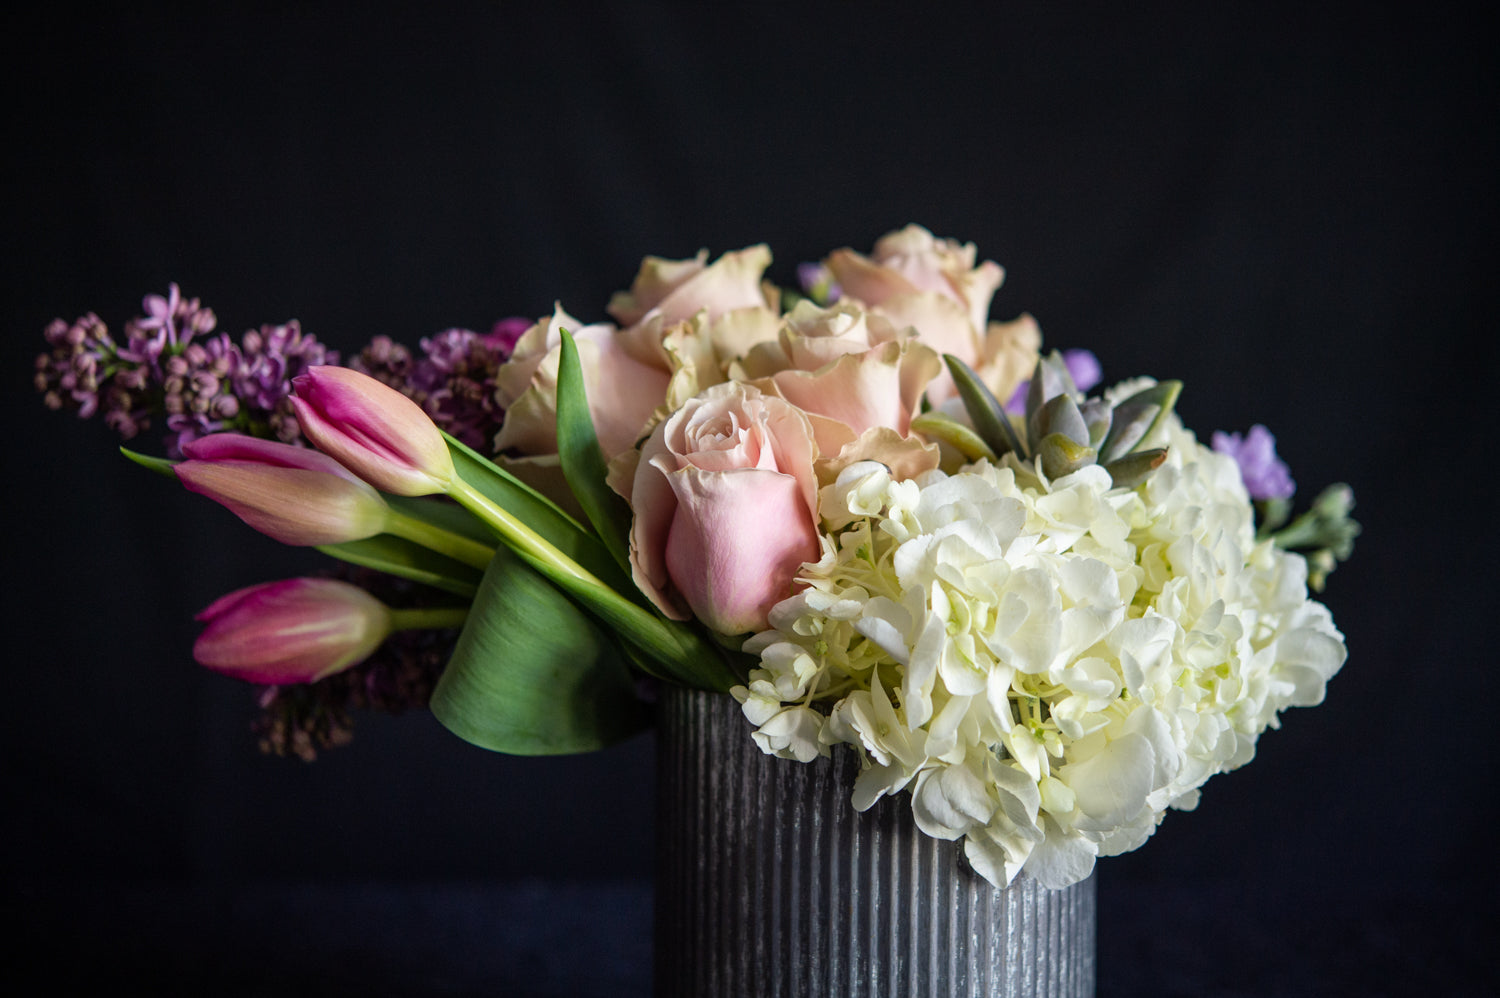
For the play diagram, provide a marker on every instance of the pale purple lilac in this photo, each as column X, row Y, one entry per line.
column 1265, row 475
column 817, row 282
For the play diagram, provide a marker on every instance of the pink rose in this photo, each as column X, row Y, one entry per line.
column 913, row 260
column 935, row 287
column 624, row 386
column 725, row 500
column 681, row 317
column 674, row 290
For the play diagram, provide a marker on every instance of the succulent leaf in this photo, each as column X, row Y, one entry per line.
column 1163, row 395
column 943, row 428
column 985, row 411
column 1097, row 415
column 1060, row 455
column 1060, row 414
column 1131, row 470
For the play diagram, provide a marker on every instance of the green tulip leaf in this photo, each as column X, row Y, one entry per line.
column 583, row 462
column 160, row 465
column 532, row 674
column 398, row 556
column 535, row 510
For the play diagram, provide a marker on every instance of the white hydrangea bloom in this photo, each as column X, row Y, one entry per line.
column 1045, row 666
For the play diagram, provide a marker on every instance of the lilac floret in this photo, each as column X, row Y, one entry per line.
column 1266, row 476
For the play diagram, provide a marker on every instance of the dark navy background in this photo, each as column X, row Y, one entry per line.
column 1293, row 212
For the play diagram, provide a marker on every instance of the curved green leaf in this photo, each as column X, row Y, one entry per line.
column 582, row 460
column 532, row 674
column 535, row 510
column 401, row 557
column 160, row 465
column 942, row 427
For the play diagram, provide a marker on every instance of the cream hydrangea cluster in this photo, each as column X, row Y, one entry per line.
column 1045, row 666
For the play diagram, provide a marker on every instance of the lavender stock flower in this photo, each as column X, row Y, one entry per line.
column 1266, row 476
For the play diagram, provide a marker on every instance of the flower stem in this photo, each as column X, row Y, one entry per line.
column 434, row 538
column 429, row 618
column 519, row 537
column 684, row 653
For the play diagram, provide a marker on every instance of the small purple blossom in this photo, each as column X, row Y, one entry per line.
column 1266, row 476
column 507, row 332
column 172, row 366
column 818, row 284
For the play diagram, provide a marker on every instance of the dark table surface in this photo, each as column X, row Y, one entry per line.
column 544, row 939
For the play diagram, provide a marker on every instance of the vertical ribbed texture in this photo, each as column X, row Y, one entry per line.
column 770, row 885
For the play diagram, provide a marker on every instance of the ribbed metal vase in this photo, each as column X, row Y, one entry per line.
column 770, row 885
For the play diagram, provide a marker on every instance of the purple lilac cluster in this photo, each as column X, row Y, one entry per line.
column 454, row 379
column 173, row 365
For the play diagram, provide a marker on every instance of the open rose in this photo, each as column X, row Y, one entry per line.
column 624, row 387
column 934, row 286
column 680, row 317
column 725, row 500
column 857, row 376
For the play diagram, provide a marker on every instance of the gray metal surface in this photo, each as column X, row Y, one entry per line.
column 769, row 884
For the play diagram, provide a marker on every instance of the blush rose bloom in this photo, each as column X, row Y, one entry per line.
column 631, row 373
column 725, row 500
column 624, row 386
column 934, row 286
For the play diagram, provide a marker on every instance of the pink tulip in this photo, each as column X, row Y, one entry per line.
column 293, row 494
column 373, row 430
column 725, row 500
column 292, row 631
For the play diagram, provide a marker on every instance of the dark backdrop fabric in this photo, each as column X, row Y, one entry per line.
column 1290, row 210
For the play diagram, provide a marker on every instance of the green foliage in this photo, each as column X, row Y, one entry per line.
column 532, row 674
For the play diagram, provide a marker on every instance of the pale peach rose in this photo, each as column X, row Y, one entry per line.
column 674, row 290
column 911, row 260
column 934, row 287
column 810, row 336
column 851, row 370
column 684, row 319
column 725, row 500
column 623, row 386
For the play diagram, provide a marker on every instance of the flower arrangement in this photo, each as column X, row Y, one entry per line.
column 874, row 516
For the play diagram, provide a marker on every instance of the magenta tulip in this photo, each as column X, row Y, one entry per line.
column 373, row 430
column 292, row 631
column 293, row 494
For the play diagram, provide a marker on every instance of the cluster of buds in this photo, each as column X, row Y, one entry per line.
column 172, row 366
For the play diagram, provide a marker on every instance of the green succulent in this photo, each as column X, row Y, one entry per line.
column 1063, row 430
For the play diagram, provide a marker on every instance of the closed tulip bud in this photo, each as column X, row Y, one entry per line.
column 373, row 430
column 292, row 631
column 293, row 494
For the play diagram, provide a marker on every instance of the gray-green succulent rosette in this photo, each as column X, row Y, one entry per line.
column 884, row 523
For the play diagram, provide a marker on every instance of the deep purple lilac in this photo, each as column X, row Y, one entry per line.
column 1265, row 475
